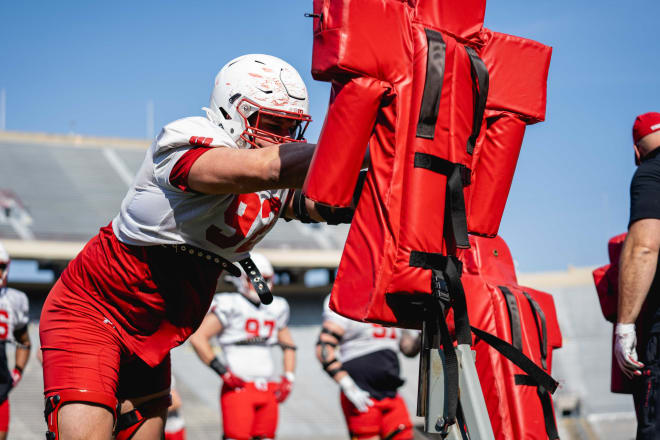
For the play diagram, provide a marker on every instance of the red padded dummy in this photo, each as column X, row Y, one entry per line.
column 606, row 279
column 518, row 315
column 518, row 72
column 407, row 81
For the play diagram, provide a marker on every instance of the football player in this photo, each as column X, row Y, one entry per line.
column 208, row 190
column 246, row 330
column 363, row 359
column 175, row 427
column 14, row 319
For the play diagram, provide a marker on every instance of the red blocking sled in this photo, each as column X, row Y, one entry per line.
column 524, row 317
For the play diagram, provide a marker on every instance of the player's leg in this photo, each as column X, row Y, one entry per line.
column 145, row 394
column 265, row 414
column 4, row 419
column 237, row 407
column 361, row 425
column 395, row 421
column 81, row 354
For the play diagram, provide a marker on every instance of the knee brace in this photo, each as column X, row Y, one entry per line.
column 128, row 423
column 55, row 401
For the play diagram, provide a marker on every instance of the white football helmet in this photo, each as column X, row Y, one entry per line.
column 4, row 266
column 251, row 86
column 243, row 283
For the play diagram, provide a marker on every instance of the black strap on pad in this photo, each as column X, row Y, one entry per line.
column 257, row 280
column 514, row 317
column 518, row 358
column 458, row 176
column 546, row 404
column 480, row 80
column 435, row 73
column 447, row 288
column 541, row 327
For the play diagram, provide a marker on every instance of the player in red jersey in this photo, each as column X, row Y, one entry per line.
column 14, row 320
column 247, row 330
column 208, row 190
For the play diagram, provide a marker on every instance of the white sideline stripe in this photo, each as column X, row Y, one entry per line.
column 612, row 416
column 22, row 231
column 118, row 165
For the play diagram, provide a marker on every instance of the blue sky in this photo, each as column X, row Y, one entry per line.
column 91, row 68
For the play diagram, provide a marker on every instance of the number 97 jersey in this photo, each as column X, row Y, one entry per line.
column 14, row 308
column 249, row 331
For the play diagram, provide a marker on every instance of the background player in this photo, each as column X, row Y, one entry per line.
column 174, row 425
column 14, row 320
column 246, row 330
column 366, row 367
column 207, row 191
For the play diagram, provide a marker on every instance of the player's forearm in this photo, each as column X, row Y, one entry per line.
column 22, row 357
column 289, row 361
column 637, row 270
column 289, row 167
column 203, row 349
column 232, row 171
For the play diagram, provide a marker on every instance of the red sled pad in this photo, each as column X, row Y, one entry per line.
column 526, row 318
column 518, row 73
column 463, row 19
column 420, row 169
column 361, row 38
column 518, row 69
column 606, row 279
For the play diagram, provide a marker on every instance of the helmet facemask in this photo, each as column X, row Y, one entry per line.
column 271, row 125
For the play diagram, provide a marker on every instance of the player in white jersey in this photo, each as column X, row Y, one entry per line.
column 208, row 190
column 363, row 359
column 14, row 319
column 247, row 330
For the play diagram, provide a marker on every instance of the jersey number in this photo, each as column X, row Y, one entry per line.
column 4, row 325
column 252, row 327
column 381, row 332
column 239, row 218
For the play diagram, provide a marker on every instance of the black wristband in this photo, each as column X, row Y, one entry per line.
column 300, row 207
column 334, row 216
column 217, row 366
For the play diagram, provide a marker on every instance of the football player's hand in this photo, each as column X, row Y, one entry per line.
column 284, row 387
column 16, row 376
column 232, row 381
column 358, row 397
column 625, row 341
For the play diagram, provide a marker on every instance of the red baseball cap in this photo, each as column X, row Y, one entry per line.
column 645, row 124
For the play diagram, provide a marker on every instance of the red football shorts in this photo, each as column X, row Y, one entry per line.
column 83, row 354
column 249, row 412
column 176, row 435
column 383, row 418
column 4, row 416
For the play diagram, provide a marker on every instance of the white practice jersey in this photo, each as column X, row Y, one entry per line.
column 248, row 333
column 155, row 211
column 14, row 312
column 361, row 338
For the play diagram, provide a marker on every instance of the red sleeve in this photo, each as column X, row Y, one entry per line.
column 179, row 173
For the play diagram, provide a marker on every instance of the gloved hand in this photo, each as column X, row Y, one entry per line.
column 358, row 397
column 625, row 341
column 16, row 376
column 284, row 387
column 232, row 381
